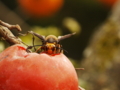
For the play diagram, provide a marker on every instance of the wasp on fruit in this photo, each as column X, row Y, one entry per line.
column 50, row 44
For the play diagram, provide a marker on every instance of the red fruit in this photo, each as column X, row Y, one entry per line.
column 108, row 2
column 41, row 8
column 20, row 70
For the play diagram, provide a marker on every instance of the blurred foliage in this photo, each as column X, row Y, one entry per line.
column 72, row 25
column 102, row 56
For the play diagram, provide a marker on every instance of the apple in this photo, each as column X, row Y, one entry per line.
column 20, row 70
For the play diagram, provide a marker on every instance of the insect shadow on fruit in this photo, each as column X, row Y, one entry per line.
column 50, row 44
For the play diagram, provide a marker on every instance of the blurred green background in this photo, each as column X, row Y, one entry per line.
column 95, row 46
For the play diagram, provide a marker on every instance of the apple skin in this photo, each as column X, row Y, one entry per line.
column 20, row 70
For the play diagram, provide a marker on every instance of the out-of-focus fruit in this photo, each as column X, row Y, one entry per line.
column 108, row 2
column 41, row 8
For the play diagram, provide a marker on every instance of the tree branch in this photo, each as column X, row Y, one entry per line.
column 7, row 35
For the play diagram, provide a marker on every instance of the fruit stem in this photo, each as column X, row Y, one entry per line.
column 6, row 34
